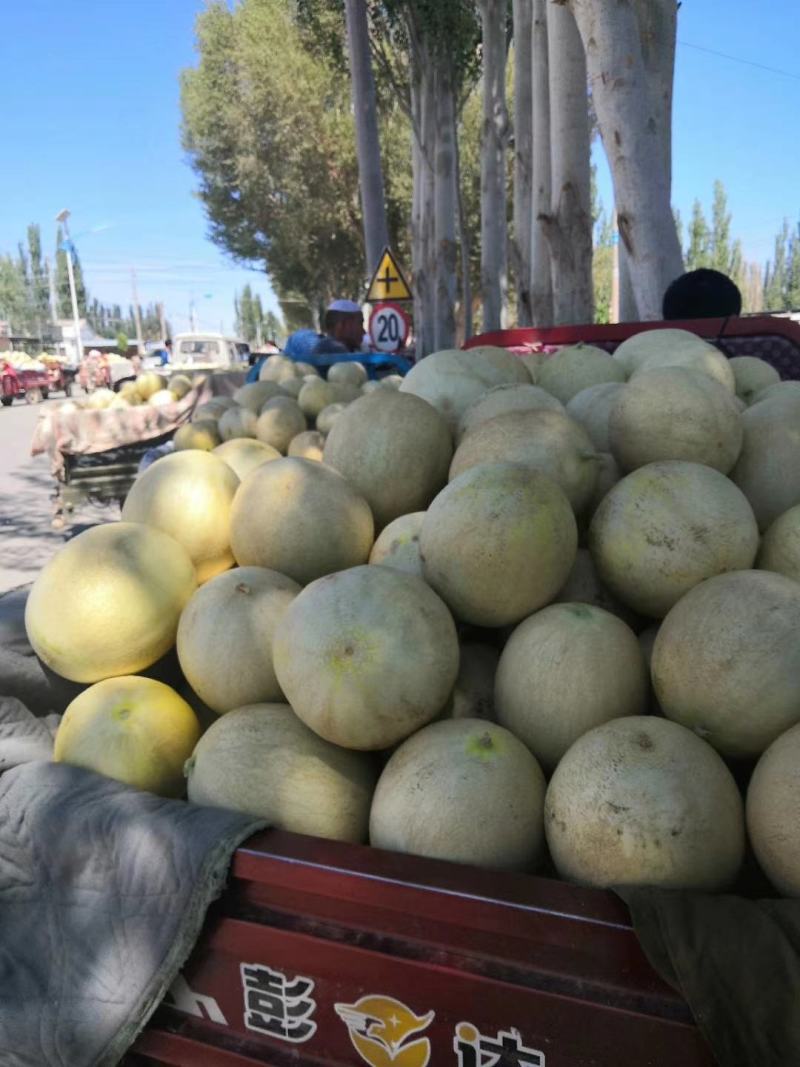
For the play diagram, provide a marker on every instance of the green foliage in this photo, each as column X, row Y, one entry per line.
column 252, row 323
column 122, row 343
column 698, row 254
column 776, row 281
column 268, row 127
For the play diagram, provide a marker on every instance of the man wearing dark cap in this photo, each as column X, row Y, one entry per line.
column 702, row 294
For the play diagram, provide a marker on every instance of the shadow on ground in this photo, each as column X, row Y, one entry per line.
column 27, row 538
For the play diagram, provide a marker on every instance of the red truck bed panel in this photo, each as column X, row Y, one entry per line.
column 326, row 953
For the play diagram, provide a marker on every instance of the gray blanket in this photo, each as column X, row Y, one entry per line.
column 103, row 892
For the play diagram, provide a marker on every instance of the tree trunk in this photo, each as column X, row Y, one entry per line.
column 494, row 268
column 635, row 140
column 570, row 227
column 464, row 245
column 422, row 142
column 368, row 148
column 628, row 311
column 541, row 282
column 523, row 158
column 445, row 207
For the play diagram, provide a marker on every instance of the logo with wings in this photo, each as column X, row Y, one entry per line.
column 384, row 1032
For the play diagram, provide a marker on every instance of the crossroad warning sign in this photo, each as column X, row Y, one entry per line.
column 388, row 282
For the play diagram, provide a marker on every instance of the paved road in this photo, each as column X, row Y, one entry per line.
column 27, row 539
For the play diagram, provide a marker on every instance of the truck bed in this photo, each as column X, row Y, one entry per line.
column 323, row 953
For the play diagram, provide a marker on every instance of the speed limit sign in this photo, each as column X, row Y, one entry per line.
column 388, row 327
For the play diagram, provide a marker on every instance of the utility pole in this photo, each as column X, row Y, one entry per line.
column 162, row 321
column 136, row 315
column 192, row 325
column 51, row 280
column 62, row 217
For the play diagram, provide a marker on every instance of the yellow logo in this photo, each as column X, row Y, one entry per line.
column 383, row 1031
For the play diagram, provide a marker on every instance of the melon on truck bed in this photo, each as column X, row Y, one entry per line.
column 262, row 760
column 367, row 656
column 463, row 790
column 109, row 601
column 497, row 543
column 665, row 528
column 643, row 801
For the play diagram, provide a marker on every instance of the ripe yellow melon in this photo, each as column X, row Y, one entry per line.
column 202, row 435
column 263, row 760
column 780, row 545
column 328, row 416
column 565, row 670
column 666, row 527
column 149, row 383
column 225, row 637
column 726, row 662
column 591, row 407
column 243, row 455
column 752, row 376
column 276, row 369
column 674, row 348
column 452, row 379
column 134, row 729
column 394, row 449
column 300, row 518
column 576, row 367
column 768, row 468
column 704, row 358
column 307, row 445
column 254, row 395
column 100, row 399
column 367, row 656
column 773, row 812
column 180, row 385
column 397, row 545
column 280, row 420
column 237, row 422
column 347, row 373
column 162, row 398
column 502, row 399
column 188, row 495
column 675, row 413
column 546, row 441
column 498, row 543
column 635, row 351
column 643, row 801
column 463, row 790
column 109, row 601
column 305, row 369
column 315, row 395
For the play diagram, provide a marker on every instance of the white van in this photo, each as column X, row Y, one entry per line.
column 209, row 349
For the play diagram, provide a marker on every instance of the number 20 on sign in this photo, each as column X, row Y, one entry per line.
column 388, row 327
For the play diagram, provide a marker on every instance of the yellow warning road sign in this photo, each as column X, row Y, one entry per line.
column 388, row 282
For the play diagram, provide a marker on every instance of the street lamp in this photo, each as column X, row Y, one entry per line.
column 67, row 245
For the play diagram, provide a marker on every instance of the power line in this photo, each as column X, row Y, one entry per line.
column 738, row 59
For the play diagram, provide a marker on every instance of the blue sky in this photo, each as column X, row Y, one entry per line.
column 90, row 121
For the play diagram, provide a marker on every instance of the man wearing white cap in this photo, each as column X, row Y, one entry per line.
column 344, row 329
